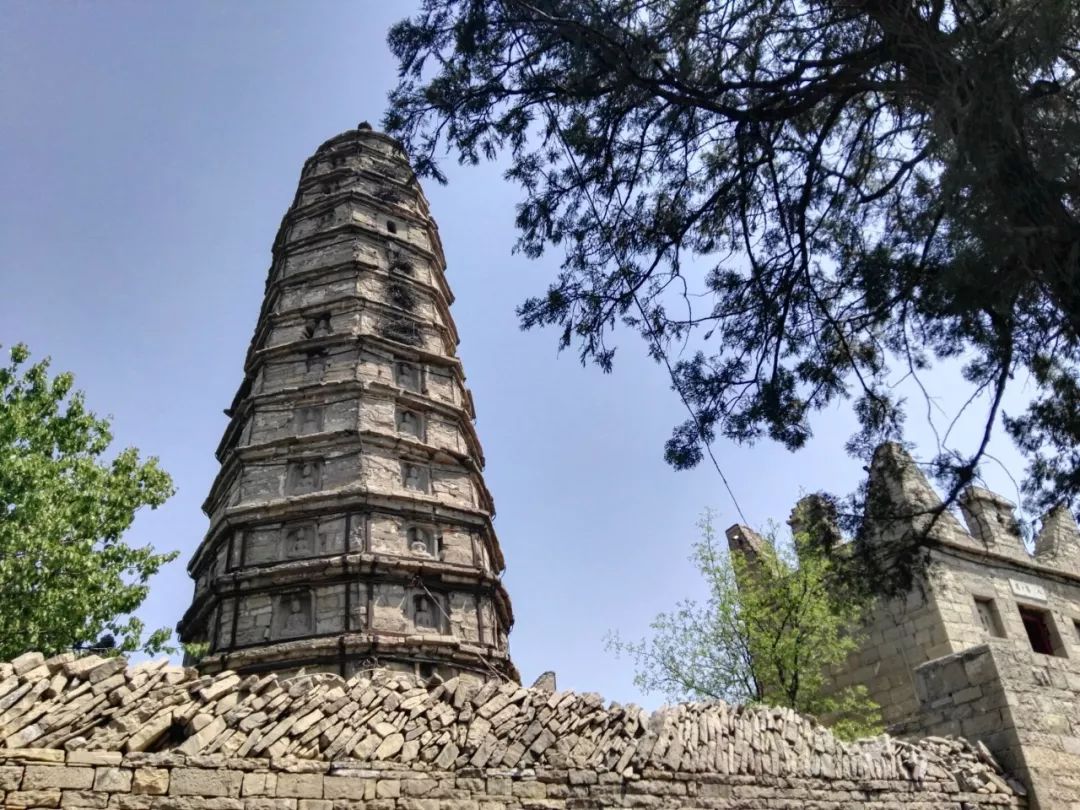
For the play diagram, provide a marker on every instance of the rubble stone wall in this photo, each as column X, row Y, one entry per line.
column 93, row 732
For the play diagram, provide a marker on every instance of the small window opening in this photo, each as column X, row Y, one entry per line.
column 1036, row 623
column 409, row 423
column 1076, row 627
column 317, row 325
column 391, row 226
column 315, row 362
column 988, row 617
column 424, row 612
column 419, row 541
column 426, row 669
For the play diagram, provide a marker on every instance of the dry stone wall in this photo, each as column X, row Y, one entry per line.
column 93, row 732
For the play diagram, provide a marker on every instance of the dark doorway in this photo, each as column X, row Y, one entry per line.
column 1037, row 629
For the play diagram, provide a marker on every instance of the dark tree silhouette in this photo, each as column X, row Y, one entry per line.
column 826, row 196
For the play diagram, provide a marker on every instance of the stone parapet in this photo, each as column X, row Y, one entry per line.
column 986, row 641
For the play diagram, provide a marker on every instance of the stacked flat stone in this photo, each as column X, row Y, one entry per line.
column 350, row 527
column 93, row 704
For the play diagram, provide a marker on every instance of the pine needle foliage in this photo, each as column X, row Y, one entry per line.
column 820, row 199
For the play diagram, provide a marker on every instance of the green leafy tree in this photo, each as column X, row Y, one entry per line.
column 769, row 631
column 195, row 651
column 67, row 579
column 819, row 199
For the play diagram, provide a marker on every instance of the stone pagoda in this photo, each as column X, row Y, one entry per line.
column 350, row 527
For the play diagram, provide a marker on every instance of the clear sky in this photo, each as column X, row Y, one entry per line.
column 148, row 152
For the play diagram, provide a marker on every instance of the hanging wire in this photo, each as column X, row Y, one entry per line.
column 654, row 339
column 497, row 673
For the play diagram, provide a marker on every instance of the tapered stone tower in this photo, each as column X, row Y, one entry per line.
column 350, row 526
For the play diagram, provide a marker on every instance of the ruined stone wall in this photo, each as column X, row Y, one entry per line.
column 1025, row 707
column 924, row 655
column 941, row 616
column 92, row 732
column 980, row 581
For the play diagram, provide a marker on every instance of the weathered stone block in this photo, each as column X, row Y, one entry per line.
column 26, row 662
column 131, row 801
column 43, row 777
column 418, row 787
column 348, row 787
column 84, row 799
column 388, row 788
column 204, row 782
column 267, row 803
column 107, row 669
column 258, row 784
column 32, row 798
column 113, row 780
column 94, row 758
column 389, row 746
column 209, row 731
column 32, row 755
column 529, row 790
column 300, row 785
column 150, row 781
column 10, row 777
column 150, row 731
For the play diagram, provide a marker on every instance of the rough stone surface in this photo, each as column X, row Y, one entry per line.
column 149, row 781
column 350, row 526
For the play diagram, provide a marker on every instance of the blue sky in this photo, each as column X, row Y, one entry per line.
column 148, row 152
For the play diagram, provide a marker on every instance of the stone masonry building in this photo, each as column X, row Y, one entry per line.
column 350, row 526
column 986, row 644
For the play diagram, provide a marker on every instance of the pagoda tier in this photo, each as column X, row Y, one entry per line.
column 350, row 527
